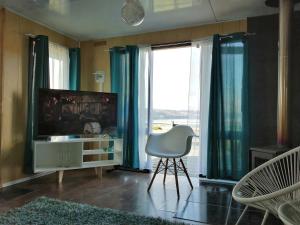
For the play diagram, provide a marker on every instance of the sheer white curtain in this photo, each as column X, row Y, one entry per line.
column 199, row 95
column 58, row 66
column 145, row 77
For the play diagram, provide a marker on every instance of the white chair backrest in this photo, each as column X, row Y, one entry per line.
column 178, row 140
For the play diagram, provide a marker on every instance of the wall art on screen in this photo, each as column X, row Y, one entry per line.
column 63, row 112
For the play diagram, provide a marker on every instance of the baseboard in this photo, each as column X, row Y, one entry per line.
column 10, row 183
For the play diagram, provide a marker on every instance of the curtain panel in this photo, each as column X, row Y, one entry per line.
column 38, row 77
column 144, row 104
column 198, row 103
column 124, row 81
column 58, row 66
column 74, row 70
column 228, row 139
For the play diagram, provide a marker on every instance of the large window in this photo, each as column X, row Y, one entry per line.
column 171, row 72
column 58, row 66
column 170, row 98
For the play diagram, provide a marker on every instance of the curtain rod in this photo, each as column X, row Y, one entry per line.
column 121, row 48
column 161, row 46
column 231, row 35
column 183, row 43
column 172, row 44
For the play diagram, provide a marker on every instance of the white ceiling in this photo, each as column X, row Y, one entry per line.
column 96, row 19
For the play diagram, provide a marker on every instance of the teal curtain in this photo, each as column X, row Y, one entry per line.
column 119, row 83
column 124, row 81
column 74, row 78
column 38, row 77
column 228, row 141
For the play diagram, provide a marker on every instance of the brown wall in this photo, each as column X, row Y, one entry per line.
column 95, row 55
column 1, row 48
column 14, row 89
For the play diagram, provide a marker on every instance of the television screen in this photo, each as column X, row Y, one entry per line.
column 64, row 112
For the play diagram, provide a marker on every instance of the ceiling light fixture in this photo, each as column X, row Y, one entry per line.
column 133, row 12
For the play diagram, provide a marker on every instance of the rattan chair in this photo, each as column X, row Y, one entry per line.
column 171, row 145
column 270, row 185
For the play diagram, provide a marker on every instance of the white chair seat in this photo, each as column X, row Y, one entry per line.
column 176, row 141
column 165, row 154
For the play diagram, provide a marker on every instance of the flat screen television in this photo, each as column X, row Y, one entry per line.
column 64, row 112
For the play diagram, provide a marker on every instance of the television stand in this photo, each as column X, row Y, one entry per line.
column 78, row 153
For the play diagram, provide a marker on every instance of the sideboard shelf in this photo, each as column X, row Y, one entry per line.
column 78, row 153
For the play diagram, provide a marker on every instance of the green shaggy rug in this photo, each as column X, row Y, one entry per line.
column 46, row 211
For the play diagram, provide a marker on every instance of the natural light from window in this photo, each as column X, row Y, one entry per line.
column 58, row 66
column 171, row 70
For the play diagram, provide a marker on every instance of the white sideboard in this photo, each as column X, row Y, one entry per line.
column 63, row 153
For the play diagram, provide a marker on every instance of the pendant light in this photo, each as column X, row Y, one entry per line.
column 133, row 12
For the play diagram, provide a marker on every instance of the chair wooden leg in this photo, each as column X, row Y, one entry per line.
column 60, row 176
column 154, row 175
column 166, row 168
column 176, row 177
column 186, row 173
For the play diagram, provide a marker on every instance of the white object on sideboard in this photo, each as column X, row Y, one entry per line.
column 99, row 77
column 67, row 154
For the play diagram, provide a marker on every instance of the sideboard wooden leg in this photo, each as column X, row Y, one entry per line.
column 98, row 172
column 60, row 176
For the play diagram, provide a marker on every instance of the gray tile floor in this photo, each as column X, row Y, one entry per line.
column 205, row 204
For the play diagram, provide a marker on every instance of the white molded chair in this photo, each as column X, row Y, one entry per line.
column 270, row 185
column 173, row 144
